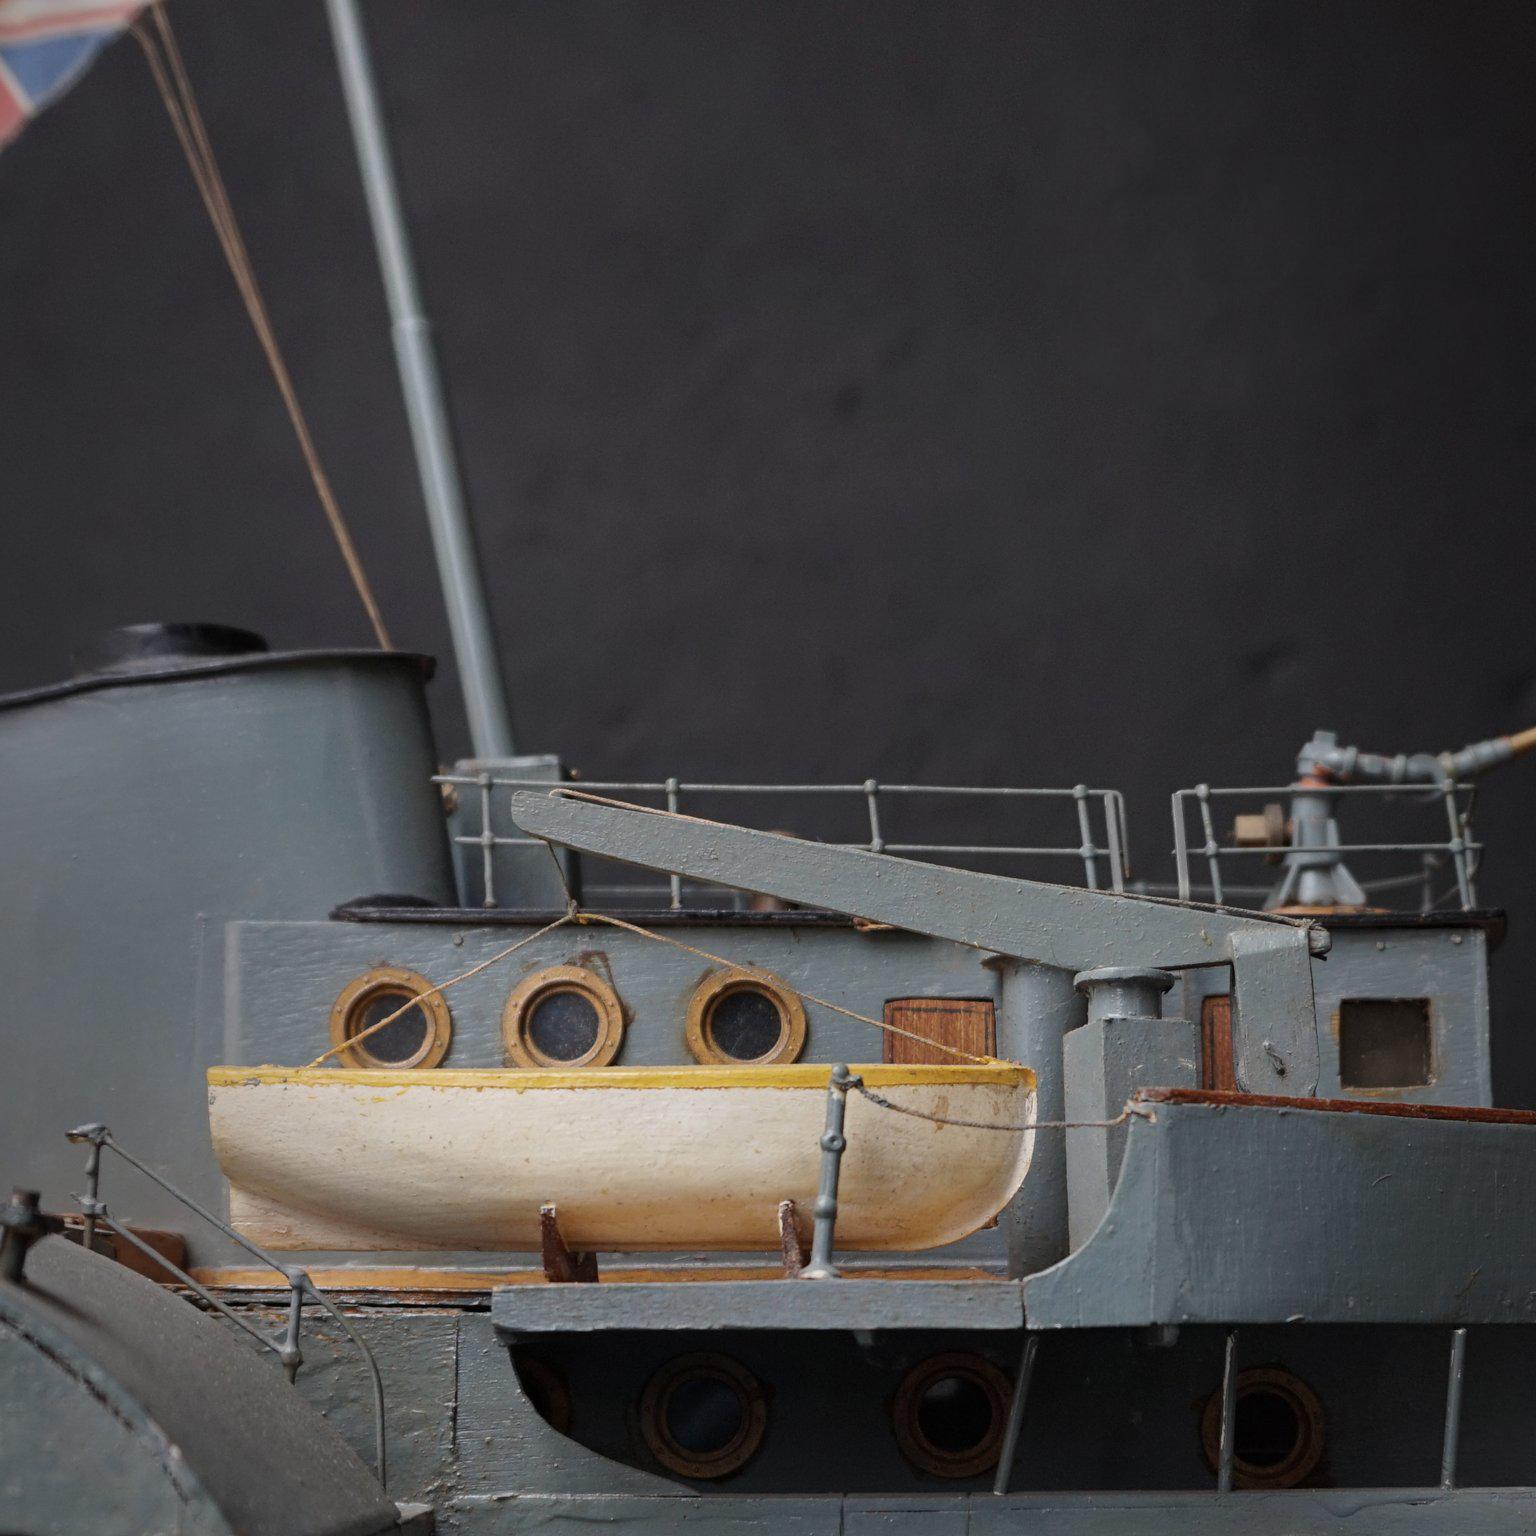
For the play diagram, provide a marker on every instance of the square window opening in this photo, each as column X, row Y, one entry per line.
column 1384, row 1042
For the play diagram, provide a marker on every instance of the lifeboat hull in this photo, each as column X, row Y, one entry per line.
column 634, row 1158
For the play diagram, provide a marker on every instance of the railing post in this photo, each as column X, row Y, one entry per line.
column 487, row 839
column 1212, row 847
column 1458, row 847
column 833, row 1145
column 289, row 1351
column 1226, row 1451
column 1450, row 1442
column 90, row 1205
column 1181, row 844
column 1112, row 840
column 876, row 842
column 1016, row 1414
column 675, row 882
column 1085, row 837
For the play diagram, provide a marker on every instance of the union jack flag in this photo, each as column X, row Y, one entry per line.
column 45, row 46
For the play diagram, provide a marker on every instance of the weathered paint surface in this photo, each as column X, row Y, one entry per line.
column 639, row 1159
column 44, row 1410
column 1255, row 1213
column 800, row 1305
column 1443, row 960
column 417, row 1354
column 1484, row 1510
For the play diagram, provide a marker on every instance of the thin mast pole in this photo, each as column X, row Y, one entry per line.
column 474, row 648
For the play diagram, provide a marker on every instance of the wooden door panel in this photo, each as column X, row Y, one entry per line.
column 967, row 1023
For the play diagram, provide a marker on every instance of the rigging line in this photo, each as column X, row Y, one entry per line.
column 440, row 988
column 572, row 910
column 1131, row 1111
column 174, row 84
column 821, row 1002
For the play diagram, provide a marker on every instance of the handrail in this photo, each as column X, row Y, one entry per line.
column 285, row 1346
column 1459, row 847
column 1110, row 844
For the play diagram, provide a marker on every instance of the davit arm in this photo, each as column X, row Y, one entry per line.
column 1275, row 1029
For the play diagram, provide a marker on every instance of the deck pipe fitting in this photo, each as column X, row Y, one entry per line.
column 1123, row 991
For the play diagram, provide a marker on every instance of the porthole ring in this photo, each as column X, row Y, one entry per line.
column 389, row 982
column 717, row 991
column 1306, row 1449
column 978, row 1374
column 542, row 986
column 704, row 1369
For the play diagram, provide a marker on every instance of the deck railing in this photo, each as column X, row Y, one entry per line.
column 1444, row 869
column 1097, row 818
column 286, row 1346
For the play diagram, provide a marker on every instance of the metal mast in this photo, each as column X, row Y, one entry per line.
column 442, row 486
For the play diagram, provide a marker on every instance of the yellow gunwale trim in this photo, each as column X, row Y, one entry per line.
column 802, row 1074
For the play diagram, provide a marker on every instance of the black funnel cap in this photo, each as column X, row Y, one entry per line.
column 159, row 647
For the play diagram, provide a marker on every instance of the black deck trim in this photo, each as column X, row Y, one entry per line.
column 255, row 661
column 537, row 917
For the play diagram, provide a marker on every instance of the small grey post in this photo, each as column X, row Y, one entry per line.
column 1451, row 1442
column 1226, row 1453
column 290, row 1352
column 474, row 647
column 1016, row 1414
column 90, row 1202
column 833, row 1145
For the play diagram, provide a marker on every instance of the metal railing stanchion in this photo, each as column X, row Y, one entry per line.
column 833, row 1144
column 1227, row 1447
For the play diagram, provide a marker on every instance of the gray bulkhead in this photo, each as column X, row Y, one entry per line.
column 1439, row 959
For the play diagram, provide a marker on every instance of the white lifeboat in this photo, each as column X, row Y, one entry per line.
column 634, row 1158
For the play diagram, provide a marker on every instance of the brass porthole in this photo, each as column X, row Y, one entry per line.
column 418, row 1038
column 703, row 1415
column 950, row 1413
column 739, row 1017
column 563, row 1016
column 1277, row 1429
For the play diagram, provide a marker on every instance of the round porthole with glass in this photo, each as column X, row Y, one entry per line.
column 1277, row 1429
column 563, row 1016
column 413, row 1036
column 739, row 1017
column 949, row 1415
column 703, row 1415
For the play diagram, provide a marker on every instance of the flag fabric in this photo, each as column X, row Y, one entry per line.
column 45, row 46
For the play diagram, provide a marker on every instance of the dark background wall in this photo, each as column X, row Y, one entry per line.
column 990, row 392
